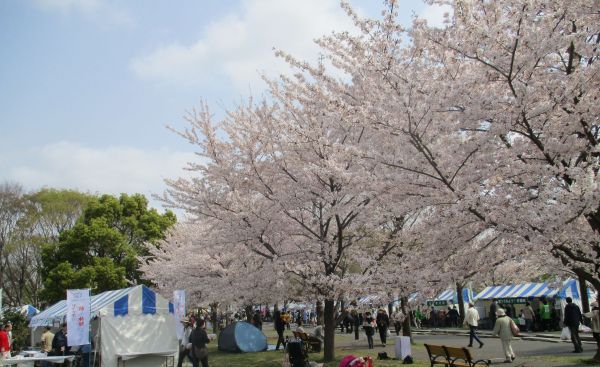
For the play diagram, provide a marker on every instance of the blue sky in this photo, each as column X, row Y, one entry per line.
column 88, row 86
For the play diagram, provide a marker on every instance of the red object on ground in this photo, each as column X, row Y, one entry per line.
column 353, row 361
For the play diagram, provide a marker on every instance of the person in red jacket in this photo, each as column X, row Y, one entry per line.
column 4, row 343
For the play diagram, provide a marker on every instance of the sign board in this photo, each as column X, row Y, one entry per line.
column 402, row 347
column 437, row 303
column 78, row 317
column 179, row 311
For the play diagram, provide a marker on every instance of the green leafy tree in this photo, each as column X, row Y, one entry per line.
column 102, row 249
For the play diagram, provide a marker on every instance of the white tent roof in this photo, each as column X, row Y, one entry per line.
column 128, row 301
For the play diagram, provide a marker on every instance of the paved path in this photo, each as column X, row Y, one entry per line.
column 530, row 353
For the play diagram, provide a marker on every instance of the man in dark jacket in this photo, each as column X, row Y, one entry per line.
column 199, row 339
column 59, row 343
column 280, row 328
column 257, row 320
column 493, row 309
column 383, row 323
column 572, row 320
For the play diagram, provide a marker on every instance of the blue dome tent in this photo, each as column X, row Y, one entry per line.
column 242, row 337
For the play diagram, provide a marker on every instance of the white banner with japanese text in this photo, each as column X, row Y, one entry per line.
column 78, row 317
column 179, row 311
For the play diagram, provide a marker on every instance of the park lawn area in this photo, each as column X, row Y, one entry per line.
column 343, row 347
column 275, row 358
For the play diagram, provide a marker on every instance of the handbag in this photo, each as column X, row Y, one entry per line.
column 200, row 352
column 514, row 329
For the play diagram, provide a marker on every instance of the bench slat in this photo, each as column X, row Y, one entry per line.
column 453, row 356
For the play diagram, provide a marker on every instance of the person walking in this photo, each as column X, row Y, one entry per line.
column 545, row 315
column 383, row 324
column 572, row 320
column 369, row 327
column 493, row 309
column 257, row 320
column 503, row 329
column 418, row 317
column 185, row 347
column 433, row 319
column 357, row 322
column 453, row 317
column 529, row 317
column 279, row 324
column 199, row 339
column 472, row 321
column 594, row 314
column 348, row 322
column 398, row 318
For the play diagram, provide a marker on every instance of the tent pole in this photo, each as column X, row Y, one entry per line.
column 33, row 336
column 96, row 343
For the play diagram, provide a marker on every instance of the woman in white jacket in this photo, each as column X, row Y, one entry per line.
column 503, row 329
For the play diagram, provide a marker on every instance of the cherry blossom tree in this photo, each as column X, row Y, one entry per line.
column 484, row 132
column 533, row 79
column 281, row 180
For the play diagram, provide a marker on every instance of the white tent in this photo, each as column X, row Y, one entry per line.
column 134, row 324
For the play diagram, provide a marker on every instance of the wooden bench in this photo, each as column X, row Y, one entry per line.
column 453, row 357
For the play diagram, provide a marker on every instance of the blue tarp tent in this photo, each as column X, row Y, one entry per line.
column 29, row 311
column 242, row 337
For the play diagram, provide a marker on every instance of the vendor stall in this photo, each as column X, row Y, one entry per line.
column 513, row 297
column 132, row 323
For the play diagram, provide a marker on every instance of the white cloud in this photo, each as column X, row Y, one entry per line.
column 239, row 46
column 111, row 170
column 434, row 14
column 98, row 10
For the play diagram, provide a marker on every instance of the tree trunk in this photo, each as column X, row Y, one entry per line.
column 461, row 303
column 214, row 317
column 390, row 308
column 328, row 342
column 406, row 326
column 585, row 302
column 319, row 312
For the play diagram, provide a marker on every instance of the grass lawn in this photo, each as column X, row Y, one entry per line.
column 275, row 358
column 344, row 347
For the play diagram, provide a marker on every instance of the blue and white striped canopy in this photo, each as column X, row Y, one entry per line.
column 451, row 295
column 368, row 299
column 128, row 301
column 518, row 291
column 570, row 288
